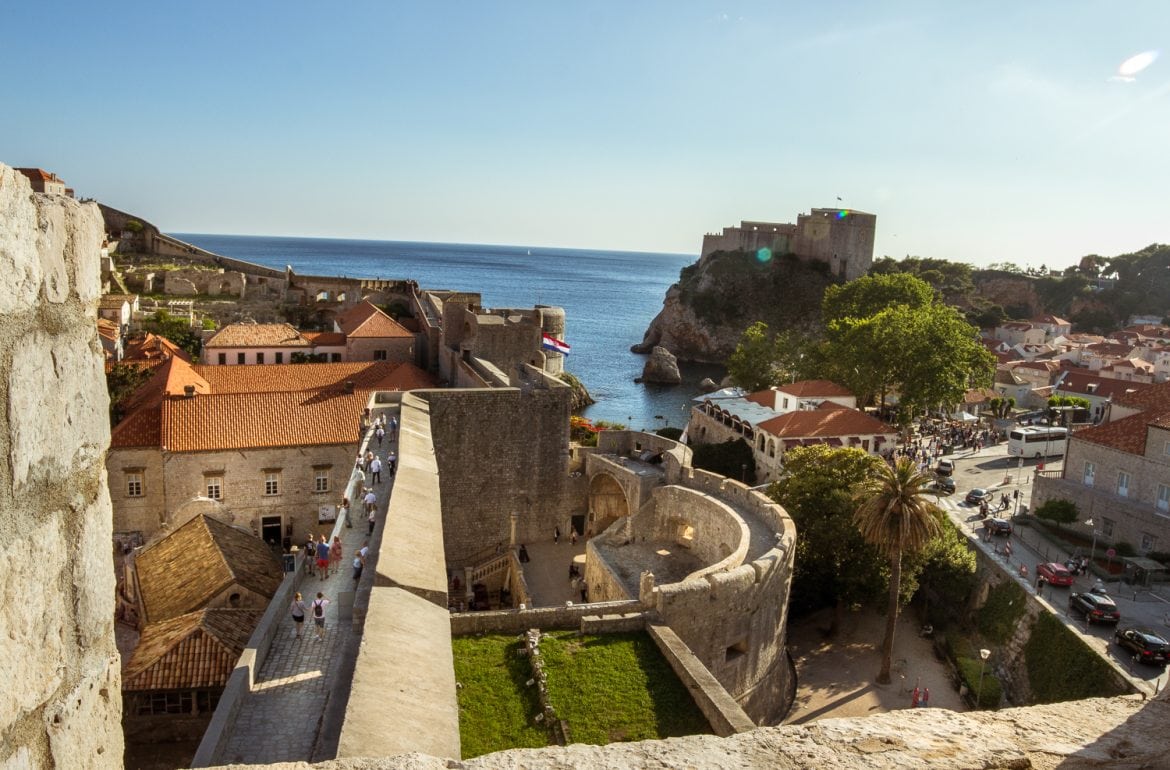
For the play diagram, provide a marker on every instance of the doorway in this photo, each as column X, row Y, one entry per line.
column 270, row 532
column 578, row 524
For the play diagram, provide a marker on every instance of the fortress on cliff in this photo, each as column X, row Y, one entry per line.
column 840, row 238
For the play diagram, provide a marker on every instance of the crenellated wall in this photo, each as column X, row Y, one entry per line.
column 61, row 704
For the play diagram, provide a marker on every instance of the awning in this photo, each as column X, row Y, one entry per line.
column 811, row 441
column 789, row 443
column 854, row 441
column 964, row 417
column 834, row 442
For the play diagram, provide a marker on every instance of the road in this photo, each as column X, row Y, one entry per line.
column 992, row 469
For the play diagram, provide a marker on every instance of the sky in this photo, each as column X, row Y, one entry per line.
column 979, row 132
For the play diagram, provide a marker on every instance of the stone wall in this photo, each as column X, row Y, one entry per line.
column 545, row 618
column 62, row 703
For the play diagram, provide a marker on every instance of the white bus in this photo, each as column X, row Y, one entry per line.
column 1037, row 441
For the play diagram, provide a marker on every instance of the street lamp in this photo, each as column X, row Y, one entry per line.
column 1093, row 548
column 984, row 654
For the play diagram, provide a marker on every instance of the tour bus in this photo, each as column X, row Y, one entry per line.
column 1037, row 441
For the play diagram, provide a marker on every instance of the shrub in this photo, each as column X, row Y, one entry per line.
column 1001, row 612
column 1059, row 511
column 1062, row 667
column 986, row 694
column 674, row 434
column 733, row 459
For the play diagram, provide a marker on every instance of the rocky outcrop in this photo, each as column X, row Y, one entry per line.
column 661, row 367
column 1118, row 734
column 61, row 706
column 1016, row 294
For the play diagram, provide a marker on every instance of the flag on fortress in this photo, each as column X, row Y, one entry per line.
column 549, row 342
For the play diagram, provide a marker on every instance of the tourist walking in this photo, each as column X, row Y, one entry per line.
column 310, row 554
column 379, row 434
column 376, row 470
column 373, row 519
column 323, row 557
column 556, row 535
column 359, row 563
column 319, row 605
column 371, row 500
column 335, row 555
column 297, row 610
column 391, row 462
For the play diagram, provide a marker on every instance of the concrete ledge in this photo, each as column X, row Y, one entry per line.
column 403, row 694
column 610, row 624
column 544, row 618
column 725, row 716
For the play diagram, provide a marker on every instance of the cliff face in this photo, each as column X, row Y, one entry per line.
column 62, row 703
column 718, row 297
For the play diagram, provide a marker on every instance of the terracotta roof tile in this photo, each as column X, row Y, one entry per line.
column 1148, row 397
column 245, row 335
column 365, row 375
column 824, row 423
column 196, row 562
column 1083, row 384
column 366, row 320
column 153, row 348
column 815, row 389
column 196, row 650
column 323, row 339
column 1127, row 434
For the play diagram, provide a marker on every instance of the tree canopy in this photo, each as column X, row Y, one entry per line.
column 175, row 329
column 869, row 295
column 751, row 366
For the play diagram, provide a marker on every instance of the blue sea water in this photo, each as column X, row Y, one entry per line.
column 609, row 299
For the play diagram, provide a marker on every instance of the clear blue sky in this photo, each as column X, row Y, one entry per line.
column 981, row 132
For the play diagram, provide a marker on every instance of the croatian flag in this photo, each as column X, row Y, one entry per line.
column 549, row 342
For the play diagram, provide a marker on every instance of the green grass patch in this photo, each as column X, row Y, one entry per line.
column 1062, row 667
column 617, row 687
column 495, row 707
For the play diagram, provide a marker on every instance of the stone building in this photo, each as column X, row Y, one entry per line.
column 1118, row 473
column 371, row 335
column 475, row 339
column 251, row 343
column 272, row 443
column 840, row 238
column 45, row 182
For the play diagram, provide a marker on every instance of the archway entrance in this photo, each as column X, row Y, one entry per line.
column 607, row 502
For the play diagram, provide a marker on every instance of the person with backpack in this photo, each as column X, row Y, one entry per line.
column 319, row 605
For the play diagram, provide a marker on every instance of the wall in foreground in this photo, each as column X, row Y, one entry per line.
column 61, row 706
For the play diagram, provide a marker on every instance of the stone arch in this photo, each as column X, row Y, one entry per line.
column 607, row 502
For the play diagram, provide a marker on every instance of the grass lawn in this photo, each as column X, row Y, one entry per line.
column 495, row 708
column 615, row 687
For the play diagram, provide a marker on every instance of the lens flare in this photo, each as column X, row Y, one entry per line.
column 764, row 254
column 842, row 213
column 1135, row 64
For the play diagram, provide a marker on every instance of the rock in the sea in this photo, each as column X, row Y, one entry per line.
column 708, row 385
column 662, row 367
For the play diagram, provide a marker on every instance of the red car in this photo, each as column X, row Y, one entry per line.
column 1055, row 574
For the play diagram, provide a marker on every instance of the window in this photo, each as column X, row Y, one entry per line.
column 321, row 481
column 239, row 358
column 1106, row 527
column 214, row 487
column 379, row 355
column 1166, row 449
column 260, row 357
column 279, row 357
column 1163, row 502
column 272, row 482
column 1090, row 471
column 134, row 484
column 1122, row 484
column 736, row 651
column 336, row 358
column 1148, row 542
column 222, row 358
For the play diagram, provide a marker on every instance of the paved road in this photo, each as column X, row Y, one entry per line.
column 992, row 469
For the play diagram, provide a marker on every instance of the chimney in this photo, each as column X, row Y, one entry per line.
column 349, row 386
column 188, row 391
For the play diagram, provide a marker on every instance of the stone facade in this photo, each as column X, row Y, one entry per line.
column 507, row 338
column 62, row 707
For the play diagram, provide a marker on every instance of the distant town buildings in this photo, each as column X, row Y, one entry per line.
column 45, row 181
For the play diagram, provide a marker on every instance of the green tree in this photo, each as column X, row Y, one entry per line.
column 834, row 565
column 177, row 330
column 895, row 515
column 943, row 573
column 1058, row 511
column 122, row 380
column 869, row 295
column 733, row 459
column 752, row 365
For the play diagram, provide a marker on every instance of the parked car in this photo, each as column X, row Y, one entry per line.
column 977, row 495
column 944, row 467
column 1055, row 574
column 998, row 526
column 1147, row 646
column 1095, row 608
column 945, row 485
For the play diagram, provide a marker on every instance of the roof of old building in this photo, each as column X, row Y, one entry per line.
column 249, row 335
column 828, row 420
column 196, row 650
column 114, row 301
column 1127, row 434
column 1051, row 320
column 325, row 339
column 153, row 349
column 249, row 407
column 1081, row 383
column 815, row 389
column 979, row 395
column 1147, row 397
column 39, row 173
column 366, row 320
column 198, row 561
column 108, row 329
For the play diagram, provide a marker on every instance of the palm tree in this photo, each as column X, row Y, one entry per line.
column 894, row 514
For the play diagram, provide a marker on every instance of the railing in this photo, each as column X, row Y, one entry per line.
column 490, row 568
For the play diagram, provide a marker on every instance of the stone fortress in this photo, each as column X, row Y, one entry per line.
column 471, row 475
column 840, row 238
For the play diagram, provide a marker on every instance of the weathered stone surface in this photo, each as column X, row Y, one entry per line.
column 662, row 367
column 708, row 385
column 1100, row 733
column 678, row 329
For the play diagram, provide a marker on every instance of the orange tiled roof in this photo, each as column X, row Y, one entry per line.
column 1051, row 320
column 366, row 320
column 841, row 421
column 196, row 650
column 190, row 566
column 153, row 348
column 39, row 173
column 325, row 339
column 108, row 329
column 1082, row 384
column 365, row 375
column 1127, row 434
column 1154, row 398
column 815, row 389
column 244, row 335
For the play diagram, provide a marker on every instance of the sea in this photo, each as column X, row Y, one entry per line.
column 609, row 298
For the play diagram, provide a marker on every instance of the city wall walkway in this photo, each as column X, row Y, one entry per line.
column 284, row 716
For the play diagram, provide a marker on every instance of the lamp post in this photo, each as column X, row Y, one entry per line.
column 1092, row 548
column 984, row 654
